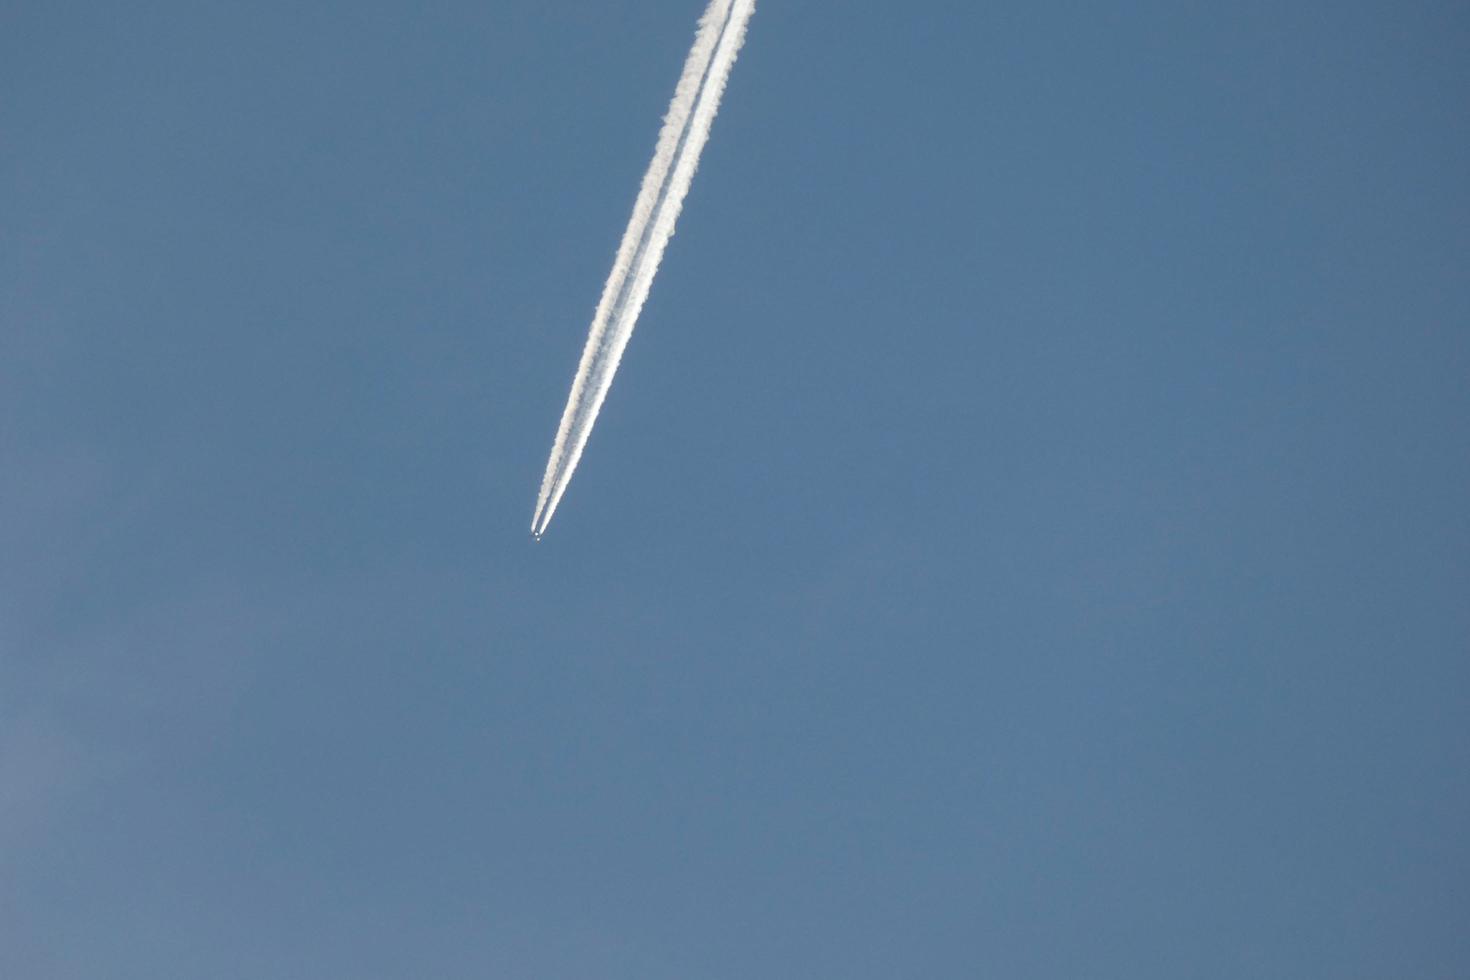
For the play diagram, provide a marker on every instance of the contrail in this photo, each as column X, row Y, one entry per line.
column 685, row 130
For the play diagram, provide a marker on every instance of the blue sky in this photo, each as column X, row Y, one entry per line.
column 1026, row 537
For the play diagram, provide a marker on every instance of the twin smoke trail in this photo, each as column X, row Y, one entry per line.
column 685, row 130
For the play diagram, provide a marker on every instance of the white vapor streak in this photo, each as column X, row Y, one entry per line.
column 685, row 130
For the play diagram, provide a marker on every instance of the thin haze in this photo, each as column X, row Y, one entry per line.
column 680, row 142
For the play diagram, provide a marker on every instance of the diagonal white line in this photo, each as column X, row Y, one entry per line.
column 676, row 156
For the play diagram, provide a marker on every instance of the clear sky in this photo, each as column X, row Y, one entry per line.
column 1027, row 537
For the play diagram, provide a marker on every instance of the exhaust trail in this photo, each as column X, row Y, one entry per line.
column 676, row 156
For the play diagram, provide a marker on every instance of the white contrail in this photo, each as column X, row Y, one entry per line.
column 685, row 130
